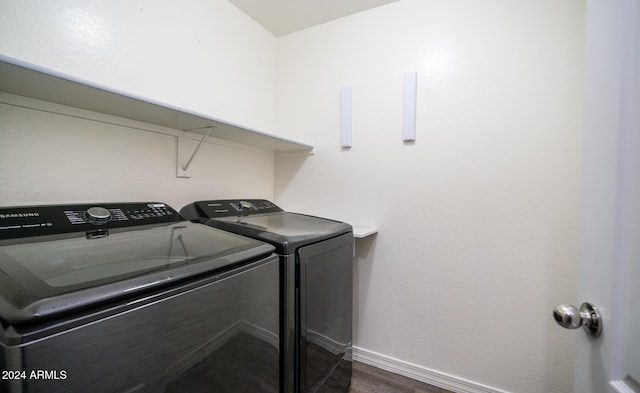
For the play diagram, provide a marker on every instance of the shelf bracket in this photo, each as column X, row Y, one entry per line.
column 181, row 170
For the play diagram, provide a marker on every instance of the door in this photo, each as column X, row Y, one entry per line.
column 609, row 272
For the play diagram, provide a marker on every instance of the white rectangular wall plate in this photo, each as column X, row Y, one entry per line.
column 409, row 110
column 345, row 117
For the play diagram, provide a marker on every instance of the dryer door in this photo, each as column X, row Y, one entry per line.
column 325, row 315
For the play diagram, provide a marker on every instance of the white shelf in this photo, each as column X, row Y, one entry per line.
column 28, row 80
column 360, row 232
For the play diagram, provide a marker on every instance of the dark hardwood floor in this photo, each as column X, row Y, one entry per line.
column 369, row 379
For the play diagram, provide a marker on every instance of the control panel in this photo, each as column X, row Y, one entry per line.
column 228, row 207
column 24, row 221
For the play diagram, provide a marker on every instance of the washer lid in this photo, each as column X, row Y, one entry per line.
column 46, row 275
column 286, row 231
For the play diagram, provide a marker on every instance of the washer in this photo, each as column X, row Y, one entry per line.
column 316, row 276
column 131, row 297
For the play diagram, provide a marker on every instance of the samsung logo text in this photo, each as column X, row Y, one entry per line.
column 18, row 215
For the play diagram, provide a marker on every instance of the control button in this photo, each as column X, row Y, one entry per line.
column 98, row 213
column 263, row 205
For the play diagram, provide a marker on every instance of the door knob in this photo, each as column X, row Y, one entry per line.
column 587, row 316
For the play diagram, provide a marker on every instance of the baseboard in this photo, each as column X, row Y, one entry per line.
column 423, row 374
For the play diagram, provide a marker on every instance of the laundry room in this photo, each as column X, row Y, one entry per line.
column 466, row 219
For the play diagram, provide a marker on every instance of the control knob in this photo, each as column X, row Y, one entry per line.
column 244, row 205
column 98, row 214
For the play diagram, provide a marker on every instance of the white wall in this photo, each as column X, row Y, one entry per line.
column 57, row 154
column 204, row 55
column 478, row 219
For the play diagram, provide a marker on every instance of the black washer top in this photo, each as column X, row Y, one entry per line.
column 263, row 220
column 55, row 259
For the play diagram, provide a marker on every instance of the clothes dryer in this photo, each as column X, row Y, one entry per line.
column 131, row 297
column 316, row 276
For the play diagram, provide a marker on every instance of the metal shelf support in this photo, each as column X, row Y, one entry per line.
column 181, row 170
